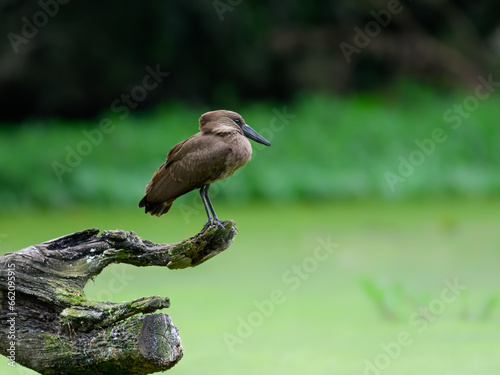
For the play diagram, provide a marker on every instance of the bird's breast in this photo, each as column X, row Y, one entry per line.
column 241, row 152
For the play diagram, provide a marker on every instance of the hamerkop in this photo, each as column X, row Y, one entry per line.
column 216, row 152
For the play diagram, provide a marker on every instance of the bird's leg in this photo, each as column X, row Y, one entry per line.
column 214, row 215
column 204, row 199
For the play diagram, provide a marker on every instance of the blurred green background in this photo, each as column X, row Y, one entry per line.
column 373, row 216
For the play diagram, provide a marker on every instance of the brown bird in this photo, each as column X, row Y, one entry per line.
column 216, row 152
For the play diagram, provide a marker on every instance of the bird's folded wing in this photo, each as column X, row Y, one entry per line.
column 190, row 164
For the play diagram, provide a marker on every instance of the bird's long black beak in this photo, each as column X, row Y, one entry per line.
column 252, row 134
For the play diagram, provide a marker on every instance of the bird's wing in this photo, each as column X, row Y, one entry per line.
column 198, row 160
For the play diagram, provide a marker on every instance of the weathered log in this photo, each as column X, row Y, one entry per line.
column 48, row 324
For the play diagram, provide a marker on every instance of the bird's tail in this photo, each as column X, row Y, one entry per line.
column 155, row 208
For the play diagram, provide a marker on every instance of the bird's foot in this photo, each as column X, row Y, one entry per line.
column 218, row 222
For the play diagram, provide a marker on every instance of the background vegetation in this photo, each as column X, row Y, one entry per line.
column 391, row 153
column 328, row 147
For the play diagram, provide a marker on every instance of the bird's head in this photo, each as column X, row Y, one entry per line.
column 223, row 121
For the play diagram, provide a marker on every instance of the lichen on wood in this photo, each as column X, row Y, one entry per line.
column 57, row 330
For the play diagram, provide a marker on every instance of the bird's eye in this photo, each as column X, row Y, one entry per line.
column 237, row 120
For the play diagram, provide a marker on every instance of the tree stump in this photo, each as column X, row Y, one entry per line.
column 48, row 325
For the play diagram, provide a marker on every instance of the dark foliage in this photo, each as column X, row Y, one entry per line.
column 85, row 55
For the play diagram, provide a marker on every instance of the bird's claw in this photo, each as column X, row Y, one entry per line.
column 218, row 222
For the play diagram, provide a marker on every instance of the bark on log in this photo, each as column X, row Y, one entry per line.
column 49, row 325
